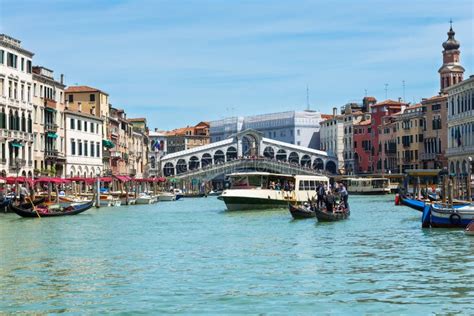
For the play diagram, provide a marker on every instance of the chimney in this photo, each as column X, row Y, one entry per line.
column 62, row 79
column 334, row 111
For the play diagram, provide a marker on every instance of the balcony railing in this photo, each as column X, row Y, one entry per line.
column 51, row 127
column 51, row 153
column 428, row 156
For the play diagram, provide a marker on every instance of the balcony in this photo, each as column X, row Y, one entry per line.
column 428, row 156
column 51, row 127
column 16, row 163
column 459, row 150
column 51, row 154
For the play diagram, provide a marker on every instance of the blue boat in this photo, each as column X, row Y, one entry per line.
column 440, row 216
column 414, row 204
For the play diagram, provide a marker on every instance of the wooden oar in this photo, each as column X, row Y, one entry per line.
column 34, row 208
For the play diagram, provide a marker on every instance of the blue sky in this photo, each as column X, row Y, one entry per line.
column 178, row 62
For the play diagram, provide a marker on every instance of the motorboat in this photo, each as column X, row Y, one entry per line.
column 144, row 198
column 447, row 216
column 165, row 196
column 470, row 229
column 264, row 190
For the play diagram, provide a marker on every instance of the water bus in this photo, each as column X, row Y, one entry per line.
column 368, row 185
column 264, row 190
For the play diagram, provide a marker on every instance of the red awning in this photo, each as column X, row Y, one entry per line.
column 52, row 180
column 105, row 179
column 161, row 179
column 21, row 179
column 123, row 178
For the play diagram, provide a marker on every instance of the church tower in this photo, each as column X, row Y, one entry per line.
column 451, row 72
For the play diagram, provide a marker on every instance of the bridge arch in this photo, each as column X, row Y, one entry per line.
column 294, row 158
column 219, row 157
column 193, row 163
column 168, row 169
column 306, row 161
column 181, row 166
column 231, row 153
column 281, row 155
column 206, row 160
column 318, row 164
column 331, row 167
column 250, row 142
column 269, row 152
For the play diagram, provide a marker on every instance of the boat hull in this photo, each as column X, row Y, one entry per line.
column 31, row 213
column 459, row 217
column 412, row 203
column 299, row 212
column 234, row 203
column 142, row 201
column 166, row 197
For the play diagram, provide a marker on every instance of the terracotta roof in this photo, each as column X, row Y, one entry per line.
column 326, row 116
column 389, row 102
column 73, row 89
column 138, row 119
column 435, row 98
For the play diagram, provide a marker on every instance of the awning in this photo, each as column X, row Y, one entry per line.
column 52, row 180
column 123, row 178
column 50, row 109
column 21, row 179
column 105, row 179
column 16, row 144
column 107, row 143
column 52, row 135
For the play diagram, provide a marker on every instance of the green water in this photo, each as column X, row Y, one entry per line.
column 191, row 257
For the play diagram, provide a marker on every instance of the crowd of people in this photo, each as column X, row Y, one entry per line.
column 328, row 196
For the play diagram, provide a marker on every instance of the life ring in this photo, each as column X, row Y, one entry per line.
column 455, row 219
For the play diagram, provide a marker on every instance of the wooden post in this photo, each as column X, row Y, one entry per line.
column 450, row 193
column 443, row 189
column 97, row 192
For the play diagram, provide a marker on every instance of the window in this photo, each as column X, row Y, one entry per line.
column 92, row 97
column 79, row 146
column 298, row 132
column 92, row 127
column 70, row 98
column 86, row 148
column 12, row 60
column 22, row 64
column 28, row 66
column 72, row 124
column 73, row 146
column 97, row 147
column 92, row 149
column 2, row 56
column 85, row 126
column 79, row 127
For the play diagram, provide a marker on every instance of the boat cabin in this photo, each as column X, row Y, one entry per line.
column 368, row 185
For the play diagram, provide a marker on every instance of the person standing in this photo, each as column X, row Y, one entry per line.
column 344, row 194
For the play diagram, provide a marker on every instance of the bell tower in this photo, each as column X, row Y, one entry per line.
column 451, row 72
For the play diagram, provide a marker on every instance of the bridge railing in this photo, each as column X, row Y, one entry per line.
column 260, row 164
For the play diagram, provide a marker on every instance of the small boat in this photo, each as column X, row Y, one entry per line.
column 165, row 196
column 215, row 193
column 301, row 211
column 144, row 198
column 339, row 213
column 412, row 203
column 443, row 216
column 178, row 193
column 51, row 211
column 470, row 229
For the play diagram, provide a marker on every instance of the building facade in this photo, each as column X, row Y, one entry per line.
column 48, row 123
column 83, row 148
column 187, row 137
column 294, row 127
column 410, row 137
column 332, row 137
column 460, row 150
column 16, row 106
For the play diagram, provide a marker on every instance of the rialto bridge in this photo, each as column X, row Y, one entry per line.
column 238, row 150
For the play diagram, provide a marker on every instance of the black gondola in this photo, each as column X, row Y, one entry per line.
column 72, row 209
column 339, row 213
column 301, row 211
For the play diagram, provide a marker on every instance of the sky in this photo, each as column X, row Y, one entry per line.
column 178, row 62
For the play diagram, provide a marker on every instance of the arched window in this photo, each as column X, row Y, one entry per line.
column 11, row 120
column 3, row 122
column 17, row 121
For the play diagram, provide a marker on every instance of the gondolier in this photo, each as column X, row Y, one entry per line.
column 344, row 194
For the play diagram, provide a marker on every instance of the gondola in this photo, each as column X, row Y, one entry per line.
column 339, row 213
column 71, row 209
column 7, row 201
column 301, row 211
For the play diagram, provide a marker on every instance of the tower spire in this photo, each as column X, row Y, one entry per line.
column 451, row 72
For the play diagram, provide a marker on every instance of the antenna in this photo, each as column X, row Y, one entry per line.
column 307, row 98
column 365, row 90
column 403, row 83
column 386, row 89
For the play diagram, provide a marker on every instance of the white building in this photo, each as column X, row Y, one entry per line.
column 332, row 137
column 294, row 127
column 158, row 148
column 351, row 118
column 83, row 144
column 460, row 125
column 16, row 134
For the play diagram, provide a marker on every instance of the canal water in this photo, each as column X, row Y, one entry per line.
column 191, row 256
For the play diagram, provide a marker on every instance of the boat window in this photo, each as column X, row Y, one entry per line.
column 312, row 185
column 306, row 184
column 239, row 182
column 301, row 185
